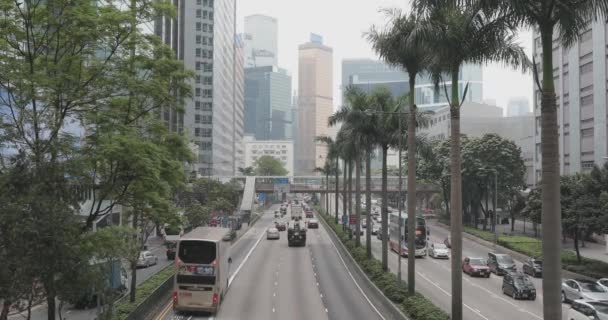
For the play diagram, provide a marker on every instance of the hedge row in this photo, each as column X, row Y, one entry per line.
column 144, row 290
column 532, row 247
column 414, row 306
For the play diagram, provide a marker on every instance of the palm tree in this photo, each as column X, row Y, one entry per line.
column 394, row 47
column 327, row 169
column 564, row 20
column 458, row 34
column 333, row 154
column 357, row 122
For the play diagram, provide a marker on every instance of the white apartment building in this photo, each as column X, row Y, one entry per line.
column 281, row 150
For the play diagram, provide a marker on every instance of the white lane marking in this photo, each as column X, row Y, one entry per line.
column 449, row 294
column 244, row 260
column 274, row 294
column 276, row 283
column 326, row 310
column 273, row 310
column 355, row 282
column 321, row 295
column 509, row 302
column 317, row 284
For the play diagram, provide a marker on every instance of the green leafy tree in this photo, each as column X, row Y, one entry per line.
column 333, row 155
column 247, row 171
column 198, row 215
column 269, row 166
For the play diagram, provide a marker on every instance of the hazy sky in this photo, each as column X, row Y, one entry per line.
column 342, row 23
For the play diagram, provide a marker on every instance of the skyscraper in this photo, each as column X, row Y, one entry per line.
column 203, row 37
column 580, row 85
column 261, row 44
column 518, row 106
column 315, row 103
column 268, row 103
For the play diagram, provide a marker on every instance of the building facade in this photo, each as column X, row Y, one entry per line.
column 203, row 37
column 268, row 109
column 518, row 107
column 282, row 150
column 315, row 103
column 580, row 85
column 261, row 41
column 369, row 74
column 478, row 119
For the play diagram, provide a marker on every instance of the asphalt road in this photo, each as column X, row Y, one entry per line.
column 483, row 298
column 279, row 282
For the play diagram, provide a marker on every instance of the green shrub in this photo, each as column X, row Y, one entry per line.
column 417, row 307
column 144, row 290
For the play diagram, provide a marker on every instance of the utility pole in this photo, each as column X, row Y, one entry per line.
column 400, row 201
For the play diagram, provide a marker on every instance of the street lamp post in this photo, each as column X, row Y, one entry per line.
column 495, row 207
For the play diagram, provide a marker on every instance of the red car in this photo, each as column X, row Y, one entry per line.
column 475, row 267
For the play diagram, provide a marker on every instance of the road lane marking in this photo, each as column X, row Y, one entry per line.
column 164, row 311
column 355, row 282
column 236, row 272
column 507, row 301
column 273, row 310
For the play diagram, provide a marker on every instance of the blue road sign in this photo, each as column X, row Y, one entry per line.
column 261, row 196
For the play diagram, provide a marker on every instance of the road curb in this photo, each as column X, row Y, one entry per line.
column 387, row 304
column 517, row 255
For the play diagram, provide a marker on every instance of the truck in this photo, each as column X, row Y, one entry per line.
column 296, row 212
column 296, row 233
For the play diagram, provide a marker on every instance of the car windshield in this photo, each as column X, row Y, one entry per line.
column 477, row 262
column 522, row 280
column 504, row 259
column 601, row 307
column 440, row 246
column 591, row 287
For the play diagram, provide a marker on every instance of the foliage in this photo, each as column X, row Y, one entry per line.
column 205, row 191
column 197, row 215
column 247, row 171
column 415, row 306
column 269, row 166
column 144, row 290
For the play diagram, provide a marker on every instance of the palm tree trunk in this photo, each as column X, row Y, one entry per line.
column 368, row 202
column 456, row 201
column 350, row 187
column 358, row 198
column 411, row 190
column 551, row 207
column 345, row 193
column 384, row 213
column 337, row 199
column 327, row 193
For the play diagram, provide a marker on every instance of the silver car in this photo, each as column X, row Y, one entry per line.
column 585, row 310
column 146, row 259
column 603, row 282
column 272, row 233
column 583, row 289
column 438, row 250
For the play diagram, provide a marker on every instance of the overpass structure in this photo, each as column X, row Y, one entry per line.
column 312, row 184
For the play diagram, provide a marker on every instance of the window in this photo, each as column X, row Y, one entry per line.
column 586, row 36
column 208, row 80
column 197, row 92
column 587, row 100
column 208, row 67
column 197, row 132
column 197, row 52
column 205, row 27
column 205, row 13
column 206, row 119
column 207, row 106
column 205, row 3
column 211, row 15
column 210, row 28
column 198, row 79
column 198, row 39
column 206, row 146
column 199, row 12
column 198, row 2
column 587, row 132
column 197, row 105
column 587, row 165
column 198, row 26
column 204, row 40
column 208, row 93
column 197, row 118
column 586, row 68
column 206, row 133
column 211, row 3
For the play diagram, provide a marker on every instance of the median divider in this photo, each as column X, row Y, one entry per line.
column 150, row 294
column 384, row 284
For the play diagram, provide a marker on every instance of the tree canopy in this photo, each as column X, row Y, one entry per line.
column 269, row 166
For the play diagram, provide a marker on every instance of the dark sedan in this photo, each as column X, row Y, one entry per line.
column 313, row 224
column 533, row 267
column 280, row 225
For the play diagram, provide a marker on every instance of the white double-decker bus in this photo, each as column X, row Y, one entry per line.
column 421, row 233
column 202, row 263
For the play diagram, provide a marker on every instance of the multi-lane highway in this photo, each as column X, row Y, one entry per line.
column 483, row 298
column 273, row 281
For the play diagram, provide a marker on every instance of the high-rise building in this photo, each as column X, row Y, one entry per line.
column 369, row 74
column 518, row 106
column 239, row 110
column 203, row 37
column 268, row 103
column 261, row 44
column 315, row 103
column 580, row 85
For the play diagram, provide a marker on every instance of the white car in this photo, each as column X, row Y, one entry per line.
column 375, row 228
column 146, row 259
column 585, row 310
column 273, row 233
column 438, row 250
column 603, row 282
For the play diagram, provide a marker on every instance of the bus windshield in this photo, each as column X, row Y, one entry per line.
column 197, row 251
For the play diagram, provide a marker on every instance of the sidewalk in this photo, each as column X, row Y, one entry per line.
column 591, row 250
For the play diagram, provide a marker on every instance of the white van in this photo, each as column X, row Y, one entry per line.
column 203, row 266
